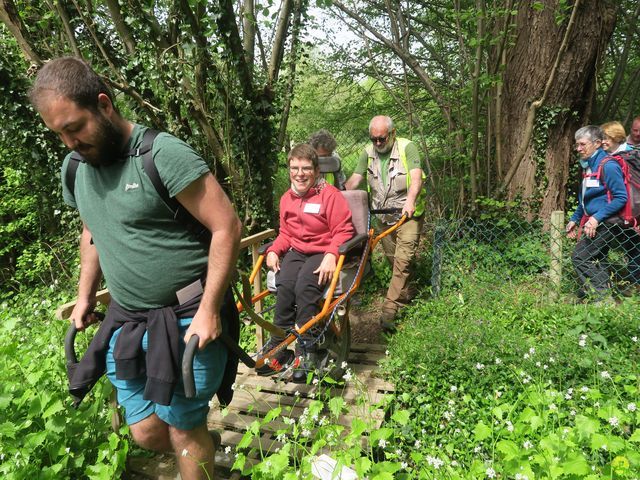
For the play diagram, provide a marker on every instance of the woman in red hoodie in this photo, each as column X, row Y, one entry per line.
column 314, row 221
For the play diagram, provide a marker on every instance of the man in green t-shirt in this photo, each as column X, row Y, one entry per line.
column 394, row 175
column 154, row 268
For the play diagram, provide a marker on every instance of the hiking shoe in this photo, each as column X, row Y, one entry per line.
column 388, row 322
column 277, row 363
column 305, row 364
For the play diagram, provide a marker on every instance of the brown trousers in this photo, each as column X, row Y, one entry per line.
column 400, row 248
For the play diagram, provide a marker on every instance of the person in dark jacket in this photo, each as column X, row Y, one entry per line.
column 165, row 285
column 599, row 199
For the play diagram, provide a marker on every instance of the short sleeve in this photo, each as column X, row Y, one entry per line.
column 413, row 156
column 361, row 166
column 177, row 163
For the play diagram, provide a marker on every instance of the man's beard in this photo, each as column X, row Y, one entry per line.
column 107, row 145
column 386, row 149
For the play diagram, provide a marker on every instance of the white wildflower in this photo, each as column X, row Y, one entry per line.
column 634, row 339
column 386, row 352
column 491, row 473
column 605, row 374
column 347, row 376
column 532, row 350
column 572, row 413
column 296, row 393
column 584, row 389
column 527, row 445
column 479, row 366
column 343, row 365
column 498, row 361
column 404, row 465
column 227, row 450
column 382, row 443
column 509, row 426
column 306, row 433
column 631, row 407
column 613, row 421
column 526, row 356
column 315, row 381
column 417, row 444
column 553, row 407
column 453, row 388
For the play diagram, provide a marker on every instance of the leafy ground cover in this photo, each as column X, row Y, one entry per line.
column 41, row 434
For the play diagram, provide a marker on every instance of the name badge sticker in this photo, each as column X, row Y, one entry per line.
column 311, row 208
column 591, row 183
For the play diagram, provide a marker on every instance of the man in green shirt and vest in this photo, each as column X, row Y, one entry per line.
column 394, row 176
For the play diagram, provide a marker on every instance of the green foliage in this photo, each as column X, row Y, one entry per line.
column 41, row 434
column 500, row 382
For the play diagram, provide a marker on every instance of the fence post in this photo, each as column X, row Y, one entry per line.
column 555, row 270
column 436, row 264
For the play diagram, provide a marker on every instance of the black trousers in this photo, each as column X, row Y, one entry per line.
column 590, row 257
column 298, row 294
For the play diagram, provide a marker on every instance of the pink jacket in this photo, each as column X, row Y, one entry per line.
column 318, row 222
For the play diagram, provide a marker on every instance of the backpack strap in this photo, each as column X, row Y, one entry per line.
column 72, row 169
column 180, row 214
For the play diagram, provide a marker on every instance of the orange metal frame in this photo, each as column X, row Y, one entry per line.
column 330, row 302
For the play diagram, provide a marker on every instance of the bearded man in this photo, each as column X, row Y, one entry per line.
column 165, row 284
column 394, row 174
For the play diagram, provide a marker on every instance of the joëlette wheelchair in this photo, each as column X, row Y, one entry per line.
column 330, row 328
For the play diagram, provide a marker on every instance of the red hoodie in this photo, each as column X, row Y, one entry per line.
column 317, row 222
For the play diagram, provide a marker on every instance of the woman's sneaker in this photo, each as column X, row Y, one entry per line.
column 277, row 363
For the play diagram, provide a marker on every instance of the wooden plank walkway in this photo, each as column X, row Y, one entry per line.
column 255, row 396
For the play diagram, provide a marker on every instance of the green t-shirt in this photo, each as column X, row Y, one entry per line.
column 413, row 161
column 145, row 254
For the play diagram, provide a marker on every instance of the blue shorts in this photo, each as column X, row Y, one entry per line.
column 183, row 413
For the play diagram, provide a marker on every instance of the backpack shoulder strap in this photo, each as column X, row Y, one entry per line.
column 180, row 214
column 72, row 169
column 146, row 151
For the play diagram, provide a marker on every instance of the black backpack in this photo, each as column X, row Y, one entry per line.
column 180, row 214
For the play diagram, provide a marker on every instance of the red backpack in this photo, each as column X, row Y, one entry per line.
column 629, row 161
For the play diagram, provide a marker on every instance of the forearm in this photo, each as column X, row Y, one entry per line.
column 223, row 254
column 90, row 272
column 415, row 185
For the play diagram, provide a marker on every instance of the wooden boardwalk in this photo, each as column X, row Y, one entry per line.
column 255, row 396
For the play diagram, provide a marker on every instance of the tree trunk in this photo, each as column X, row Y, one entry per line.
column 566, row 103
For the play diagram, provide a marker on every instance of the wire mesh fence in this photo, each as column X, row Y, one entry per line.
column 497, row 251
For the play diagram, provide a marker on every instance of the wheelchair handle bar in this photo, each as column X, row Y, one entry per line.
column 190, row 352
column 70, row 340
column 382, row 211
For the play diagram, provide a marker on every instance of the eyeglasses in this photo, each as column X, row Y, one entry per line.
column 379, row 139
column 578, row 145
column 307, row 169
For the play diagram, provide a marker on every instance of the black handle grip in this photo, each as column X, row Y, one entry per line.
column 69, row 344
column 190, row 352
column 70, row 340
column 382, row 211
column 187, row 366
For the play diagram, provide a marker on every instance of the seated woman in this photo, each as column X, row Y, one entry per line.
column 314, row 221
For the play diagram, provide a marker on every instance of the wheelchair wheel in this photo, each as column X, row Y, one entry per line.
column 337, row 343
